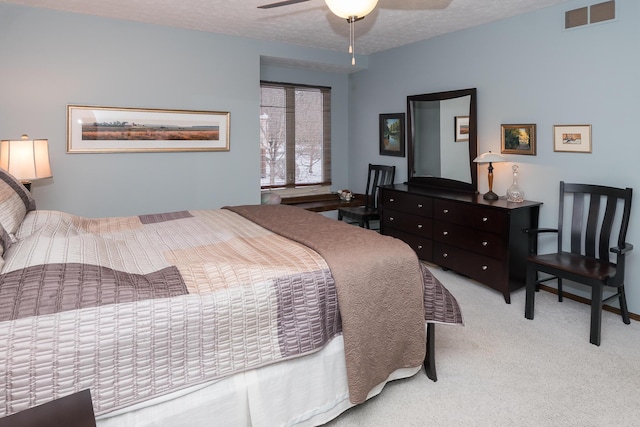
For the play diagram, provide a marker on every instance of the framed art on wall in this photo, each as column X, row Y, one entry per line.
column 519, row 139
column 392, row 134
column 461, row 125
column 117, row 130
column 572, row 138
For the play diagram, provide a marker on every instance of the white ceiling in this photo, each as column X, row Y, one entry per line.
column 393, row 23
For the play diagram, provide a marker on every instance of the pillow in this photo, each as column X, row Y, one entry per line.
column 5, row 242
column 15, row 202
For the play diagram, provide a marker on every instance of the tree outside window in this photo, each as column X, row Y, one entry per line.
column 295, row 135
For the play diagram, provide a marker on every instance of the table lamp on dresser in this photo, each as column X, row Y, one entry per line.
column 490, row 158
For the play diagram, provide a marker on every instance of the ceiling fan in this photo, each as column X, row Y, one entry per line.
column 352, row 11
column 280, row 3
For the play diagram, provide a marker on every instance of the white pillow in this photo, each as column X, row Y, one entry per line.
column 15, row 202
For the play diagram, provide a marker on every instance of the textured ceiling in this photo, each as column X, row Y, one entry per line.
column 393, row 23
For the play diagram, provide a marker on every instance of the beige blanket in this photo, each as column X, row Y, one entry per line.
column 379, row 286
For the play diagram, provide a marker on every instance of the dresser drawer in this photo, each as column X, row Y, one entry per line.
column 482, row 242
column 489, row 271
column 422, row 246
column 478, row 217
column 417, row 205
column 407, row 222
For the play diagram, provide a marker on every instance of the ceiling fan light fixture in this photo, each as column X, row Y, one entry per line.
column 351, row 8
column 352, row 11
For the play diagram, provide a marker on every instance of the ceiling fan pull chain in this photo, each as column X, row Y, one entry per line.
column 352, row 39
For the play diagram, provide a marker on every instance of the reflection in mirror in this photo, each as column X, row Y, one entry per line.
column 441, row 143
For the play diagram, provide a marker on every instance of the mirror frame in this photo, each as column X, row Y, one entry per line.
column 445, row 183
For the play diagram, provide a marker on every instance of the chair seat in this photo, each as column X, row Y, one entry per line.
column 359, row 212
column 575, row 264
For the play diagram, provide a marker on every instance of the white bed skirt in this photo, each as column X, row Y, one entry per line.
column 306, row 391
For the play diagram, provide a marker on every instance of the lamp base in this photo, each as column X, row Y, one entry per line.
column 490, row 195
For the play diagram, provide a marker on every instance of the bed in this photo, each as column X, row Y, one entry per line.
column 246, row 315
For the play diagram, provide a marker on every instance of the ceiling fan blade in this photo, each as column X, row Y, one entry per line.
column 280, row 3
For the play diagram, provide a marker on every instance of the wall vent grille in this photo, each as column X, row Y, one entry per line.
column 600, row 12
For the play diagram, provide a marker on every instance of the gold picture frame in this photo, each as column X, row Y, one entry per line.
column 92, row 129
column 519, row 139
column 572, row 138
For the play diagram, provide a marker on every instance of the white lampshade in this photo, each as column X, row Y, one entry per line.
column 489, row 157
column 26, row 159
column 348, row 8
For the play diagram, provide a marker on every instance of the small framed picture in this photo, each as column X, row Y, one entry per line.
column 519, row 139
column 461, row 124
column 572, row 138
column 392, row 134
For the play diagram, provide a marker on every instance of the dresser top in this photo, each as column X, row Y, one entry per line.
column 475, row 199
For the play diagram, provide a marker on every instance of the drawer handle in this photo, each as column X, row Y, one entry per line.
column 484, row 219
column 485, row 243
column 445, row 211
column 420, row 205
column 419, row 226
column 392, row 199
column 484, row 268
column 419, row 246
column 391, row 218
column 444, row 255
column 445, row 233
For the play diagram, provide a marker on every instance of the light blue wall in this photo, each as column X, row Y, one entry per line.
column 527, row 69
column 50, row 59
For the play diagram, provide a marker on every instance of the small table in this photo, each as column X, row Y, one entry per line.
column 323, row 202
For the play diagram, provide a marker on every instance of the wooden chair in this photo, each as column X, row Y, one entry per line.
column 587, row 259
column 378, row 175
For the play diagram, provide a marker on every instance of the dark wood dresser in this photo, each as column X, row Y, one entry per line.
column 477, row 238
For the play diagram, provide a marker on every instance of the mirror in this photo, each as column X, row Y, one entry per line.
column 441, row 143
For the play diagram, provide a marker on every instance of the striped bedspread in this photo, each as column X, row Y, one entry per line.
column 136, row 307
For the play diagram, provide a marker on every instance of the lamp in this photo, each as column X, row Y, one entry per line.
column 26, row 159
column 490, row 158
column 352, row 11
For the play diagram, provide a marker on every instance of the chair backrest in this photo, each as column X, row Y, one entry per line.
column 593, row 236
column 378, row 175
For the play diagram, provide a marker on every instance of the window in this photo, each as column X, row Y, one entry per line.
column 295, row 135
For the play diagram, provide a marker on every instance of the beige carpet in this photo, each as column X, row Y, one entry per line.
column 501, row 369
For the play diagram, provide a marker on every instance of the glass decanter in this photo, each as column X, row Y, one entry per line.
column 514, row 193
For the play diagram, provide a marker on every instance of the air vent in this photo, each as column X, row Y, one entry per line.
column 590, row 15
column 576, row 17
column 602, row 12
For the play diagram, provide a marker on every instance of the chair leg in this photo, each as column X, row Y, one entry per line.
column 596, row 314
column 531, row 292
column 623, row 305
column 559, row 289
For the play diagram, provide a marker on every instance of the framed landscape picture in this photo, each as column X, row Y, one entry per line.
column 392, row 134
column 519, row 139
column 572, row 138
column 117, row 130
